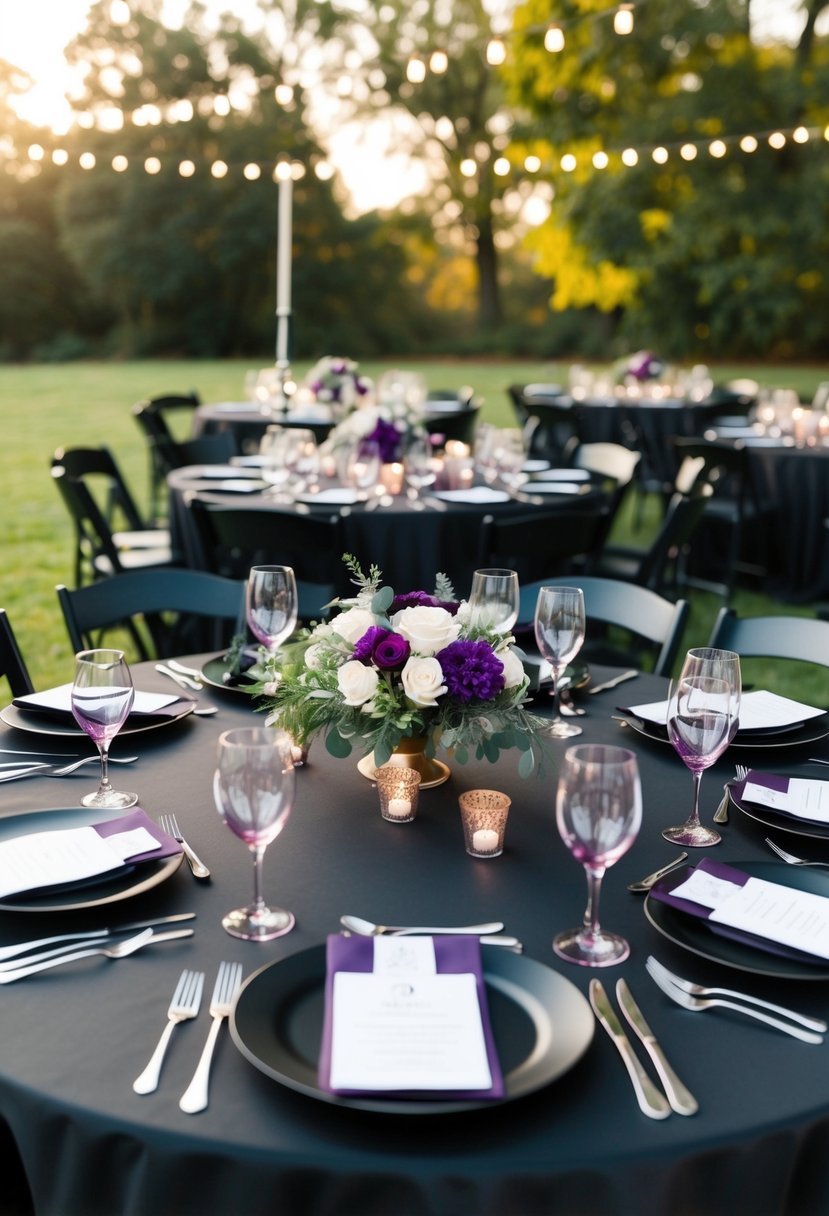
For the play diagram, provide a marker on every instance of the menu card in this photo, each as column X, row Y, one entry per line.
column 407, row 1016
column 759, row 710
column 799, row 797
column 66, row 856
column 769, row 915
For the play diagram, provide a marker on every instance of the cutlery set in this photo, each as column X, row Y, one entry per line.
column 184, row 1006
column 31, row 965
column 188, row 678
column 489, row 933
column 15, row 770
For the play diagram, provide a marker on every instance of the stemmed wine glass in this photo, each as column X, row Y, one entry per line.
column 598, row 812
column 102, row 697
column 559, row 634
column 703, row 716
column 271, row 604
column 362, row 468
column 253, row 787
column 493, row 600
column 418, row 469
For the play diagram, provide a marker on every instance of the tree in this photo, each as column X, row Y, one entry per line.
column 712, row 248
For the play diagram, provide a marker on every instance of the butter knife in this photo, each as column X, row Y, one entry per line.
column 626, row 675
column 679, row 1096
column 651, row 1102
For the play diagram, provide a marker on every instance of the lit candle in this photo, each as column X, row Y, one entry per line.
column 298, row 754
column 485, row 840
column 398, row 808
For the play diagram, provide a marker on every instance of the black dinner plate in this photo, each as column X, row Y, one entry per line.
column 109, row 890
column 770, row 818
column 215, row 671
column 808, row 732
column 541, row 1022
column 692, row 933
column 38, row 722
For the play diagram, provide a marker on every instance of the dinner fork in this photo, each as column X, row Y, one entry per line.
column 228, row 982
column 183, row 1006
column 655, row 966
column 721, row 813
column 147, row 938
column 698, row 1004
column 790, row 857
column 169, row 824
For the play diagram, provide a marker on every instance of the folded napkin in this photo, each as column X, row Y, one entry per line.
column 65, row 858
column 341, row 495
column 768, row 916
column 760, row 711
column 404, row 1025
column 477, row 494
column 57, row 702
column 800, row 798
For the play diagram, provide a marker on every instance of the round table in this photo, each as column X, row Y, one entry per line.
column 76, row 1037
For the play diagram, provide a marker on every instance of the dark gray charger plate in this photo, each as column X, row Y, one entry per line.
column 40, row 722
column 692, row 933
column 541, row 1022
column 809, row 732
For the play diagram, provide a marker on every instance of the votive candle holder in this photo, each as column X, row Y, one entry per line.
column 484, row 817
column 398, row 789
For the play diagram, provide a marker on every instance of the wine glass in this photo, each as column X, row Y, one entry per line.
column 271, row 604
column 598, row 812
column 559, row 634
column 362, row 468
column 418, row 469
column 493, row 600
column 703, row 716
column 102, row 697
column 253, row 787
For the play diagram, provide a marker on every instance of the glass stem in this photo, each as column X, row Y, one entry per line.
column 258, row 901
column 591, row 912
column 693, row 822
column 104, row 750
column 556, row 706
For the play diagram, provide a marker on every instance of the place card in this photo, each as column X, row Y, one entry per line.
column 408, row 1016
column 800, row 797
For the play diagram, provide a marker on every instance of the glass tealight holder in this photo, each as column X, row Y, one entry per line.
column 398, row 789
column 484, row 817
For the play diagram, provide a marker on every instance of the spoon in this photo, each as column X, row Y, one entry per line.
column 366, row 928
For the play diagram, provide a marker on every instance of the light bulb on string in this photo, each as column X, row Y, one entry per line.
column 777, row 140
column 717, row 148
column 438, row 62
column 554, row 39
column 688, row 152
column 623, row 20
column 496, row 52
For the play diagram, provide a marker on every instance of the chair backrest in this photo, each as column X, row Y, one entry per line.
column 543, row 542
column 98, row 466
column 12, row 663
column 167, row 452
column 657, row 569
column 235, row 538
column 207, row 610
column 94, row 545
column 773, row 637
column 608, row 460
column 457, row 424
column 552, row 429
column 636, row 610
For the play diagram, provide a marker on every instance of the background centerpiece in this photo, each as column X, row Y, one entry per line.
column 401, row 675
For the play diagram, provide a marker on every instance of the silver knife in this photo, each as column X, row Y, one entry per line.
column 645, row 884
column 651, row 1101
column 679, row 1096
column 626, row 675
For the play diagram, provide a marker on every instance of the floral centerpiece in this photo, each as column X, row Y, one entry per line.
column 336, row 381
column 391, row 425
column 389, row 669
column 642, row 366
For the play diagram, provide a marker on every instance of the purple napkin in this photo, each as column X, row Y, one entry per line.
column 138, row 818
column 772, row 781
column 663, row 892
column 453, row 954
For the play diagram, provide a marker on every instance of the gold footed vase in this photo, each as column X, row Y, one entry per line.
column 411, row 754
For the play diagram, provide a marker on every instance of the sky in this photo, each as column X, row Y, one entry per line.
column 33, row 34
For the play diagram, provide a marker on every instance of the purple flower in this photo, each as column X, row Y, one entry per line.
column 391, row 652
column 387, row 437
column 471, row 671
column 415, row 599
column 364, row 647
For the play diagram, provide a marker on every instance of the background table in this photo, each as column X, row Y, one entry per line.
column 75, row 1038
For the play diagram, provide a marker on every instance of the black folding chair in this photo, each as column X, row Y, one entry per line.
column 167, row 451
column 662, row 565
column 180, row 611
column 545, row 542
column 802, row 638
column 12, row 663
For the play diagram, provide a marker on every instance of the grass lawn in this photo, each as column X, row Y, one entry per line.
column 43, row 407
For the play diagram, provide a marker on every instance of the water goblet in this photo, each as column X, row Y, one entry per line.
column 271, row 606
column 598, row 812
column 493, row 600
column 559, row 634
column 253, row 788
column 703, row 715
column 418, row 469
column 102, row 697
column 362, row 469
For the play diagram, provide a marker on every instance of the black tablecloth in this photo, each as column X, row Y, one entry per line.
column 75, row 1038
column 797, row 481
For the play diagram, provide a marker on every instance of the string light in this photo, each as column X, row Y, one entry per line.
column 660, row 155
column 187, row 168
column 777, row 140
column 600, row 160
column 800, row 135
column 717, row 148
column 438, row 62
column 152, row 165
column 749, row 143
column 554, row 39
column 688, row 151
column 496, row 52
column 630, row 157
column 532, row 164
column 120, row 164
column 623, row 20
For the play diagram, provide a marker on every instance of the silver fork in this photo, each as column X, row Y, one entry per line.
column 147, row 938
column 690, row 1000
column 169, row 824
column 721, row 813
column 790, row 857
column 184, row 1005
column 228, row 982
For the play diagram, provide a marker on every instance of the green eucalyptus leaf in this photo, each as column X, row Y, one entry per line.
column 336, row 745
column 381, row 601
column 526, row 763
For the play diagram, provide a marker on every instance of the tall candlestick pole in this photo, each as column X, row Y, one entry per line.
column 283, row 265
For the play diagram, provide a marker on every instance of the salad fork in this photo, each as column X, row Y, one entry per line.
column 184, row 1005
column 693, row 1000
column 228, row 982
column 721, row 813
column 790, row 857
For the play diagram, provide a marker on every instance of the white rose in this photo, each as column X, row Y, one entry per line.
column 423, row 681
column 313, row 656
column 464, row 613
column 357, row 683
column 513, row 668
column 427, row 630
column 271, row 687
column 351, row 625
